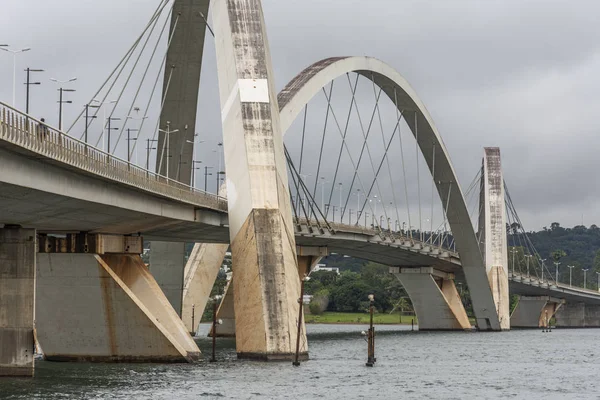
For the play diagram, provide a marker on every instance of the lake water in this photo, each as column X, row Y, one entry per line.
column 526, row 364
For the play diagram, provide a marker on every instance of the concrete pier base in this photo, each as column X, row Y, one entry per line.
column 17, row 288
column 167, row 263
column 578, row 315
column 534, row 311
column 106, row 308
column 200, row 274
column 435, row 299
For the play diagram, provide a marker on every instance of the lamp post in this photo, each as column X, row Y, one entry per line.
column 168, row 133
column 598, row 276
column 528, row 256
column 109, row 120
column 139, row 122
column 556, row 264
column 513, row 251
column 357, row 205
column 60, row 101
column 570, row 274
column 206, row 174
column 129, row 140
column 371, row 336
column 194, row 168
column 214, row 328
column 28, row 83
column 148, row 149
column 101, row 104
column 585, row 277
column 296, row 362
column 14, row 53
column 542, row 261
column 87, row 118
column 323, row 194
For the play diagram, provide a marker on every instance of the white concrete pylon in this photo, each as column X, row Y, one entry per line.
column 263, row 246
column 492, row 232
column 436, row 301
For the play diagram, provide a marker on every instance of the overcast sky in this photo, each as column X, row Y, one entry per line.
column 518, row 74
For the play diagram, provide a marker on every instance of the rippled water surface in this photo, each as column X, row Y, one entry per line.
column 564, row 364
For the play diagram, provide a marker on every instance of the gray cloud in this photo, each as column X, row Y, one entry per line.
column 519, row 74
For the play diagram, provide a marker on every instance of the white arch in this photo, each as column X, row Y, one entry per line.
column 309, row 82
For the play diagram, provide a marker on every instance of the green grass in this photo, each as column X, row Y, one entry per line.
column 358, row 318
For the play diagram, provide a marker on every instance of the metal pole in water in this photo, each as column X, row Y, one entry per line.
column 296, row 362
column 371, row 336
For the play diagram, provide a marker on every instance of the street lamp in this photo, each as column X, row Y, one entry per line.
column 570, row 274
column 60, row 101
column 542, row 260
column 528, row 256
column 100, row 104
column 371, row 335
column 556, row 264
column 129, row 140
column 206, row 174
column 14, row 53
column 140, row 120
column 168, row 133
column 110, row 119
column 585, row 277
column 194, row 168
column 513, row 251
column 28, row 83
column 598, row 275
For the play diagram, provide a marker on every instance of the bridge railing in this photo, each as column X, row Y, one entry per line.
column 35, row 136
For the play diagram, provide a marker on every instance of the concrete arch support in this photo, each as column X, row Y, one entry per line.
column 308, row 83
column 263, row 246
column 106, row 308
column 434, row 297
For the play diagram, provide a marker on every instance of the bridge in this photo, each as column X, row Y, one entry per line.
column 75, row 215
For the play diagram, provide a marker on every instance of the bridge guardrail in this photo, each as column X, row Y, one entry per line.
column 35, row 136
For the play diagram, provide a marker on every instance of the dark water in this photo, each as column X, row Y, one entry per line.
column 564, row 364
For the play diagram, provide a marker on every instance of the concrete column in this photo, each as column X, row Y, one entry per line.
column 106, row 308
column 308, row 257
column 434, row 297
column 201, row 272
column 263, row 246
column 531, row 311
column 167, row 264
column 492, row 226
column 17, row 289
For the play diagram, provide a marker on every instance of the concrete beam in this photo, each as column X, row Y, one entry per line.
column 17, row 288
column 578, row 315
column 534, row 311
column 492, row 226
column 106, row 308
column 200, row 274
column 435, row 299
column 263, row 246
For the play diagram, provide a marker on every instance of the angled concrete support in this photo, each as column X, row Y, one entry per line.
column 267, row 287
column 201, row 272
column 167, row 264
column 434, row 297
column 17, row 289
column 534, row 311
column 492, row 226
column 108, row 307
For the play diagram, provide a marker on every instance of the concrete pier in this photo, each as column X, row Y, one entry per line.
column 492, row 232
column 226, row 313
column 578, row 315
column 106, row 308
column 436, row 301
column 201, row 272
column 267, row 287
column 534, row 311
column 17, row 288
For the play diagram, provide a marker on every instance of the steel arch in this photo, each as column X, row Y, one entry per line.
column 309, row 82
